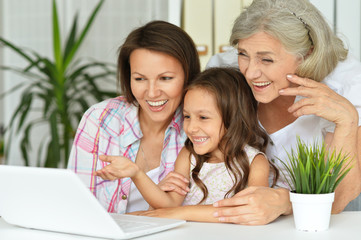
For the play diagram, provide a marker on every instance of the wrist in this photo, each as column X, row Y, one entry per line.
column 345, row 132
column 137, row 172
column 284, row 195
column 350, row 123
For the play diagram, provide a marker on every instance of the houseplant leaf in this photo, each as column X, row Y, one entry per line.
column 78, row 42
column 313, row 169
column 59, row 88
column 57, row 39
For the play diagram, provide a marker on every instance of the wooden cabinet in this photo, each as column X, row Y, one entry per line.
column 209, row 23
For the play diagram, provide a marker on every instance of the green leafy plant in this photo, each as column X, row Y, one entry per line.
column 62, row 88
column 313, row 170
column 1, row 141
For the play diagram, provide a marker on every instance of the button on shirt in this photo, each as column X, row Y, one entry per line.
column 112, row 128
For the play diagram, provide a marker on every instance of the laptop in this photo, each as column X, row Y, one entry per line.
column 57, row 200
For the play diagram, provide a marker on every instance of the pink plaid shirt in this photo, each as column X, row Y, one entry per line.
column 112, row 128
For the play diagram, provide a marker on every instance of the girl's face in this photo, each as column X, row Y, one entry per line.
column 265, row 63
column 157, row 81
column 203, row 122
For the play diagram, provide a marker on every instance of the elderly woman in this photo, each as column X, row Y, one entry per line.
column 155, row 64
column 307, row 84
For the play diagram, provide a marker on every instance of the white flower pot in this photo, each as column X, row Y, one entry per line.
column 312, row 212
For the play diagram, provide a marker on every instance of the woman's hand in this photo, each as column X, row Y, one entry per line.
column 174, row 182
column 321, row 101
column 119, row 167
column 254, row 206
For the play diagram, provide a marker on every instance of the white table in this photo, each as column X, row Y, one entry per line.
column 344, row 226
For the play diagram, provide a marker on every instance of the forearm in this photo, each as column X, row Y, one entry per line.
column 359, row 148
column 196, row 213
column 155, row 197
column 347, row 139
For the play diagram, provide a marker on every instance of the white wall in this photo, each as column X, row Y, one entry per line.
column 345, row 18
column 348, row 23
column 1, row 62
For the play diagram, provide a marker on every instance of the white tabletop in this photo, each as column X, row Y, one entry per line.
column 346, row 225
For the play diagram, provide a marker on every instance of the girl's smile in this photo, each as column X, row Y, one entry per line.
column 203, row 123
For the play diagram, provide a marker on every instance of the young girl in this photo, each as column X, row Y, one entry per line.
column 223, row 152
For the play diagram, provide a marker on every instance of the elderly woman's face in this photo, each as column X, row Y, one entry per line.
column 157, row 81
column 265, row 63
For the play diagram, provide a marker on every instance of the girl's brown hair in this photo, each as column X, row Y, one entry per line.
column 238, row 109
column 159, row 36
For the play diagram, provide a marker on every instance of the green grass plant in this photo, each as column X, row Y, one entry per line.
column 312, row 169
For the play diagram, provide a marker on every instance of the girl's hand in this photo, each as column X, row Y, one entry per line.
column 119, row 167
column 321, row 101
column 254, row 206
column 175, row 213
column 174, row 182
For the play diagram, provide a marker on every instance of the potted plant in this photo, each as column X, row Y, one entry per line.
column 314, row 174
column 63, row 88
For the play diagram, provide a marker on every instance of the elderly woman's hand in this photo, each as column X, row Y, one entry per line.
column 175, row 182
column 321, row 101
column 118, row 167
column 254, row 206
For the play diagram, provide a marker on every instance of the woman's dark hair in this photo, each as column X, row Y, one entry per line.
column 162, row 37
column 238, row 109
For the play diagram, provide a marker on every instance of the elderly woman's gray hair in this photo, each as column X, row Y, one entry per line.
column 301, row 29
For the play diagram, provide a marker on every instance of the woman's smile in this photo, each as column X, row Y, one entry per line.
column 157, row 81
column 265, row 63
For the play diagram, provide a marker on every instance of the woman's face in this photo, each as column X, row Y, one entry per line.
column 265, row 63
column 157, row 81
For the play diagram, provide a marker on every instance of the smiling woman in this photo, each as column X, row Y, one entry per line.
column 306, row 84
column 157, row 81
column 265, row 62
column 144, row 127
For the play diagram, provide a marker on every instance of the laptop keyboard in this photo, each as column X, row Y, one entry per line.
column 129, row 225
